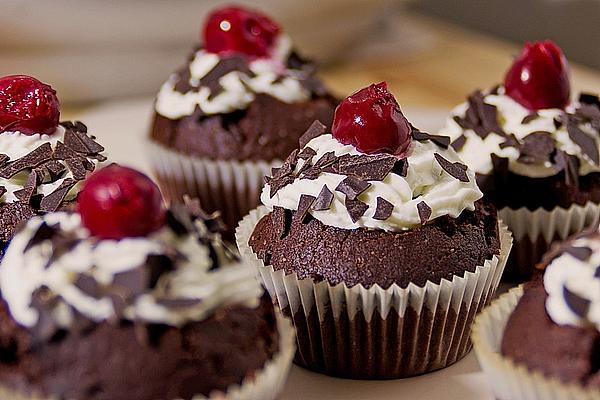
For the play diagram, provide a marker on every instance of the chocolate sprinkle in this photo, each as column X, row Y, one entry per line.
column 459, row 143
column 356, row 208
column 457, row 169
column 53, row 201
column 324, row 200
column 424, row 212
column 577, row 304
column 352, row 187
column 384, row 209
column 370, row 168
column 585, row 142
column 316, row 129
column 442, row 141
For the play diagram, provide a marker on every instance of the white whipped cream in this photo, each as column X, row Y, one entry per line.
column 578, row 276
column 425, row 181
column 476, row 152
column 239, row 88
column 16, row 145
column 23, row 271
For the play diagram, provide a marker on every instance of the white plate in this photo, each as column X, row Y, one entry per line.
column 121, row 127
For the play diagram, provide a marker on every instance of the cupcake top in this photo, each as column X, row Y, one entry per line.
column 374, row 170
column 41, row 160
column 121, row 257
column 245, row 54
column 529, row 126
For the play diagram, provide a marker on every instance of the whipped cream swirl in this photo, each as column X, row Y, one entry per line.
column 426, row 182
column 572, row 281
column 517, row 120
column 109, row 279
column 270, row 76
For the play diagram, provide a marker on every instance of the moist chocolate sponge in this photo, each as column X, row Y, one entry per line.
column 570, row 354
column 110, row 361
column 268, row 129
column 440, row 249
column 517, row 191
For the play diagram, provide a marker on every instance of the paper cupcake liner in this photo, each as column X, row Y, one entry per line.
column 511, row 381
column 534, row 232
column 375, row 333
column 265, row 384
column 232, row 187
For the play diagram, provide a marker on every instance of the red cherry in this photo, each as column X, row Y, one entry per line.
column 117, row 202
column 240, row 30
column 371, row 121
column 27, row 105
column 539, row 77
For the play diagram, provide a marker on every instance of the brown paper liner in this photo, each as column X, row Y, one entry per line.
column 229, row 186
column 265, row 384
column 374, row 333
column 509, row 380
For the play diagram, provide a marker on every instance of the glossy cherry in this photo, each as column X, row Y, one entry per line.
column 539, row 77
column 118, row 202
column 27, row 105
column 371, row 121
column 240, row 30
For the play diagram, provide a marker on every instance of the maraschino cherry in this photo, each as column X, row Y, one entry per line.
column 118, row 202
column 371, row 121
column 27, row 105
column 539, row 77
column 240, row 30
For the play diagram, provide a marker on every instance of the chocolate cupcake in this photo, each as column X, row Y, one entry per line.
column 42, row 161
column 236, row 109
column 125, row 300
column 375, row 240
column 543, row 337
column 535, row 152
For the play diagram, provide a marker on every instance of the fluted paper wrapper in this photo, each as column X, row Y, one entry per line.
column 230, row 186
column 534, row 232
column 265, row 384
column 511, row 381
column 375, row 333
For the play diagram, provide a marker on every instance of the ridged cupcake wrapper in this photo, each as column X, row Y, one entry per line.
column 265, row 384
column 511, row 381
column 534, row 232
column 233, row 187
column 375, row 333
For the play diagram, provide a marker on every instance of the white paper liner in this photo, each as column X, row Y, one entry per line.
column 534, row 232
column 265, row 384
column 448, row 339
column 511, row 381
column 231, row 186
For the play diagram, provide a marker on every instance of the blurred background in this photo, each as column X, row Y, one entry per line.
column 432, row 52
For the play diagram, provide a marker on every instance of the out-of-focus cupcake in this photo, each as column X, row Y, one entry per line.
column 42, row 161
column 540, row 340
column 235, row 109
column 535, row 152
column 373, row 238
column 125, row 300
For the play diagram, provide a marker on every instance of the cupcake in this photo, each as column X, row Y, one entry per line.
column 236, row 109
column 535, row 153
column 374, row 239
column 543, row 337
column 42, row 161
column 126, row 300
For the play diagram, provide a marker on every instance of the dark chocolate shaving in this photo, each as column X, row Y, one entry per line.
column 570, row 165
column 587, row 144
column 307, row 153
column 179, row 302
column 537, row 147
column 355, row 208
column 456, row 169
column 304, row 204
column 531, row 117
column 577, row 304
column 580, row 253
column 134, row 281
column 53, row 201
column 442, row 141
column 233, row 63
column 352, row 187
column 36, row 157
column 24, row 195
column 316, row 129
column 384, row 209
column 424, row 212
column 511, row 141
column 2, row 191
column 282, row 221
column 459, row 143
column 43, row 233
column 324, row 200
column 88, row 285
column 480, row 117
column 370, row 168
column 401, row 167
column 590, row 99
